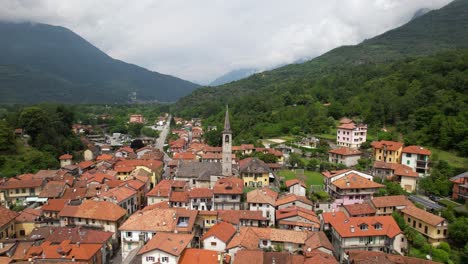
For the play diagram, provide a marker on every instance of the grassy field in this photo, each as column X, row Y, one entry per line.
column 451, row 158
column 447, row 202
column 311, row 177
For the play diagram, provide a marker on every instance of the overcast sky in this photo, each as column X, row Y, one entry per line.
column 199, row 40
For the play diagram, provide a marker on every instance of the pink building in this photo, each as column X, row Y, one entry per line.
column 349, row 134
column 137, row 119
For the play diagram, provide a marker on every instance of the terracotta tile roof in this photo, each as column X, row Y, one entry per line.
column 5, row 260
column 66, row 157
column 333, row 216
column 284, row 214
column 184, row 156
column 28, row 215
column 150, row 164
column 53, row 189
column 215, row 156
column 198, row 256
column 359, row 209
column 262, row 196
column 351, row 226
column 125, row 149
column 159, row 220
column 416, row 150
column 390, row 145
column 104, row 157
column 64, row 251
column 120, row 194
column 292, row 182
column 162, row 189
column 371, row 257
column 319, row 257
column 160, row 205
column 14, row 183
column 136, row 184
column 234, row 216
column 398, row 169
column 355, row 181
column 6, row 216
column 422, row 215
column 201, row 193
column 317, row 240
column 181, row 197
column 329, row 174
column 213, row 149
column 56, row 235
column 391, row 201
column 345, row 151
column 229, row 185
column 86, row 164
column 289, row 198
column 222, row 231
column 204, row 212
column 169, row 243
column 249, row 256
column 350, row 125
column 44, row 174
column 113, row 183
column 21, row 250
column 89, row 209
column 74, row 194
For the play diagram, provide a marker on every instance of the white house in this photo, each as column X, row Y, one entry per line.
column 263, row 200
column 296, row 187
column 218, row 236
column 417, row 158
column 165, row 248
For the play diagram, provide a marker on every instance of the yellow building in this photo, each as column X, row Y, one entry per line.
column 16, row 190
column 26, row 222
column 7, row 223
column 431, row 226
column 387, row 151
column 254, row 172
column 207, row 219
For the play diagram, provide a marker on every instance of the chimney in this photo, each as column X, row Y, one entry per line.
column 352, row 229
column 347, row 183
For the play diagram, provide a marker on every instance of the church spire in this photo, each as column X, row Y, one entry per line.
column 227, row 125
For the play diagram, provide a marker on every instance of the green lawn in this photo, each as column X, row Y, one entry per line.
column 451, row 158
column 447, row 202
column 311, row 177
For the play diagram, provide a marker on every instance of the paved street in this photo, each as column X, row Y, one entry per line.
column 163, row 135
column 426, row 202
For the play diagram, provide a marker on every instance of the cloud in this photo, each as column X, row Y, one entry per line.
column 201, row 40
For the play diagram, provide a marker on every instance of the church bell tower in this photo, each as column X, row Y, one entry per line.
column 227, row 146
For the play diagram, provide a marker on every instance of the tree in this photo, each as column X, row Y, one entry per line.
column 213, row 138
column 33, row 120
column 458, row 231
column 134, row 129
column 137, row 144
column 7, row 139
column 295, row 160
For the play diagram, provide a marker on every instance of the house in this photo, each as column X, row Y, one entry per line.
column 144, row 224
column 351, row 135
column 371, row 233
column 254, row 238
column 346, row 156
column 431, row 226
column 356, row 210
column 53, row 190
column 227, row 193
column 361, row 256
column 255, row 172
column 290, row 200
column 124, row 152
column 387, row 151
column 26, row 221
column 66, row 251
column 50, row 211
column 165, row 248
column 198, row 174
column 65, row 160
column 85, row 166
column 386, row 205
column 297, row 218
column 179, row 199
column 296, row 186
column 207, row 219
column 460, row 186
column 162, row 190
column 122, row 196
column 137, row 119
column 218, row 236
column 7, row 223
column 178, row 145
column 265, row 257
column 125, row 168
column 242, row 218
column 350, row 187
column 404, row 175
column 20, row 189
column 201, row 199
column 263, row 200
column 189, row 156
column 101, row 215
column 417, row 158
column 200, row 256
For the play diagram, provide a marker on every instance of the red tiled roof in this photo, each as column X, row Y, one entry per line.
column 359, row 209
column 120, row 194
column 104, row 157
column 198, row 256
column 398, row 169
column 351, row 227
column 74, row 193
column 222, row 231
column 370, row 257
column 345, row 151
column 13, row 183
column 289, row 198
column 64, row 251
column 234, row 216
column 200, row 193
column 292, row 182
column 170, row 243
column 355, row 181
column 422, row 215
column 299, row 212
column 28, row 215
column 66, row 157
column 89, row 209
column 54, row 205
column 229, row 185
column 184, row 156
column 390, row 145
column 391, row 201
column 53, row 189
column 329, row 174
column 416, row 150
column 181, row 197
column 262, row 196
column 6, row 216
column 85, row 164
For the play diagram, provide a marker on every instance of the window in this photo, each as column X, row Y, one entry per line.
column 408, row 155
column 233, row 197
column 265, row 242
column 409, row 220
column 129, row 234
column 213, row 244
column 407, row 162
column 445, row 232
column 213, row 221
column 22, row 233
column 378, row 226
column 17, row 191
column 363, row 227
column 438, row 231
column 226, row 139
column 425, row 229
column 165, row 259
column 402, row 239
column 150, row 258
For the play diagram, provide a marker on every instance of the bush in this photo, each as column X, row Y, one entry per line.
column 440, row 255
column 444, row 246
